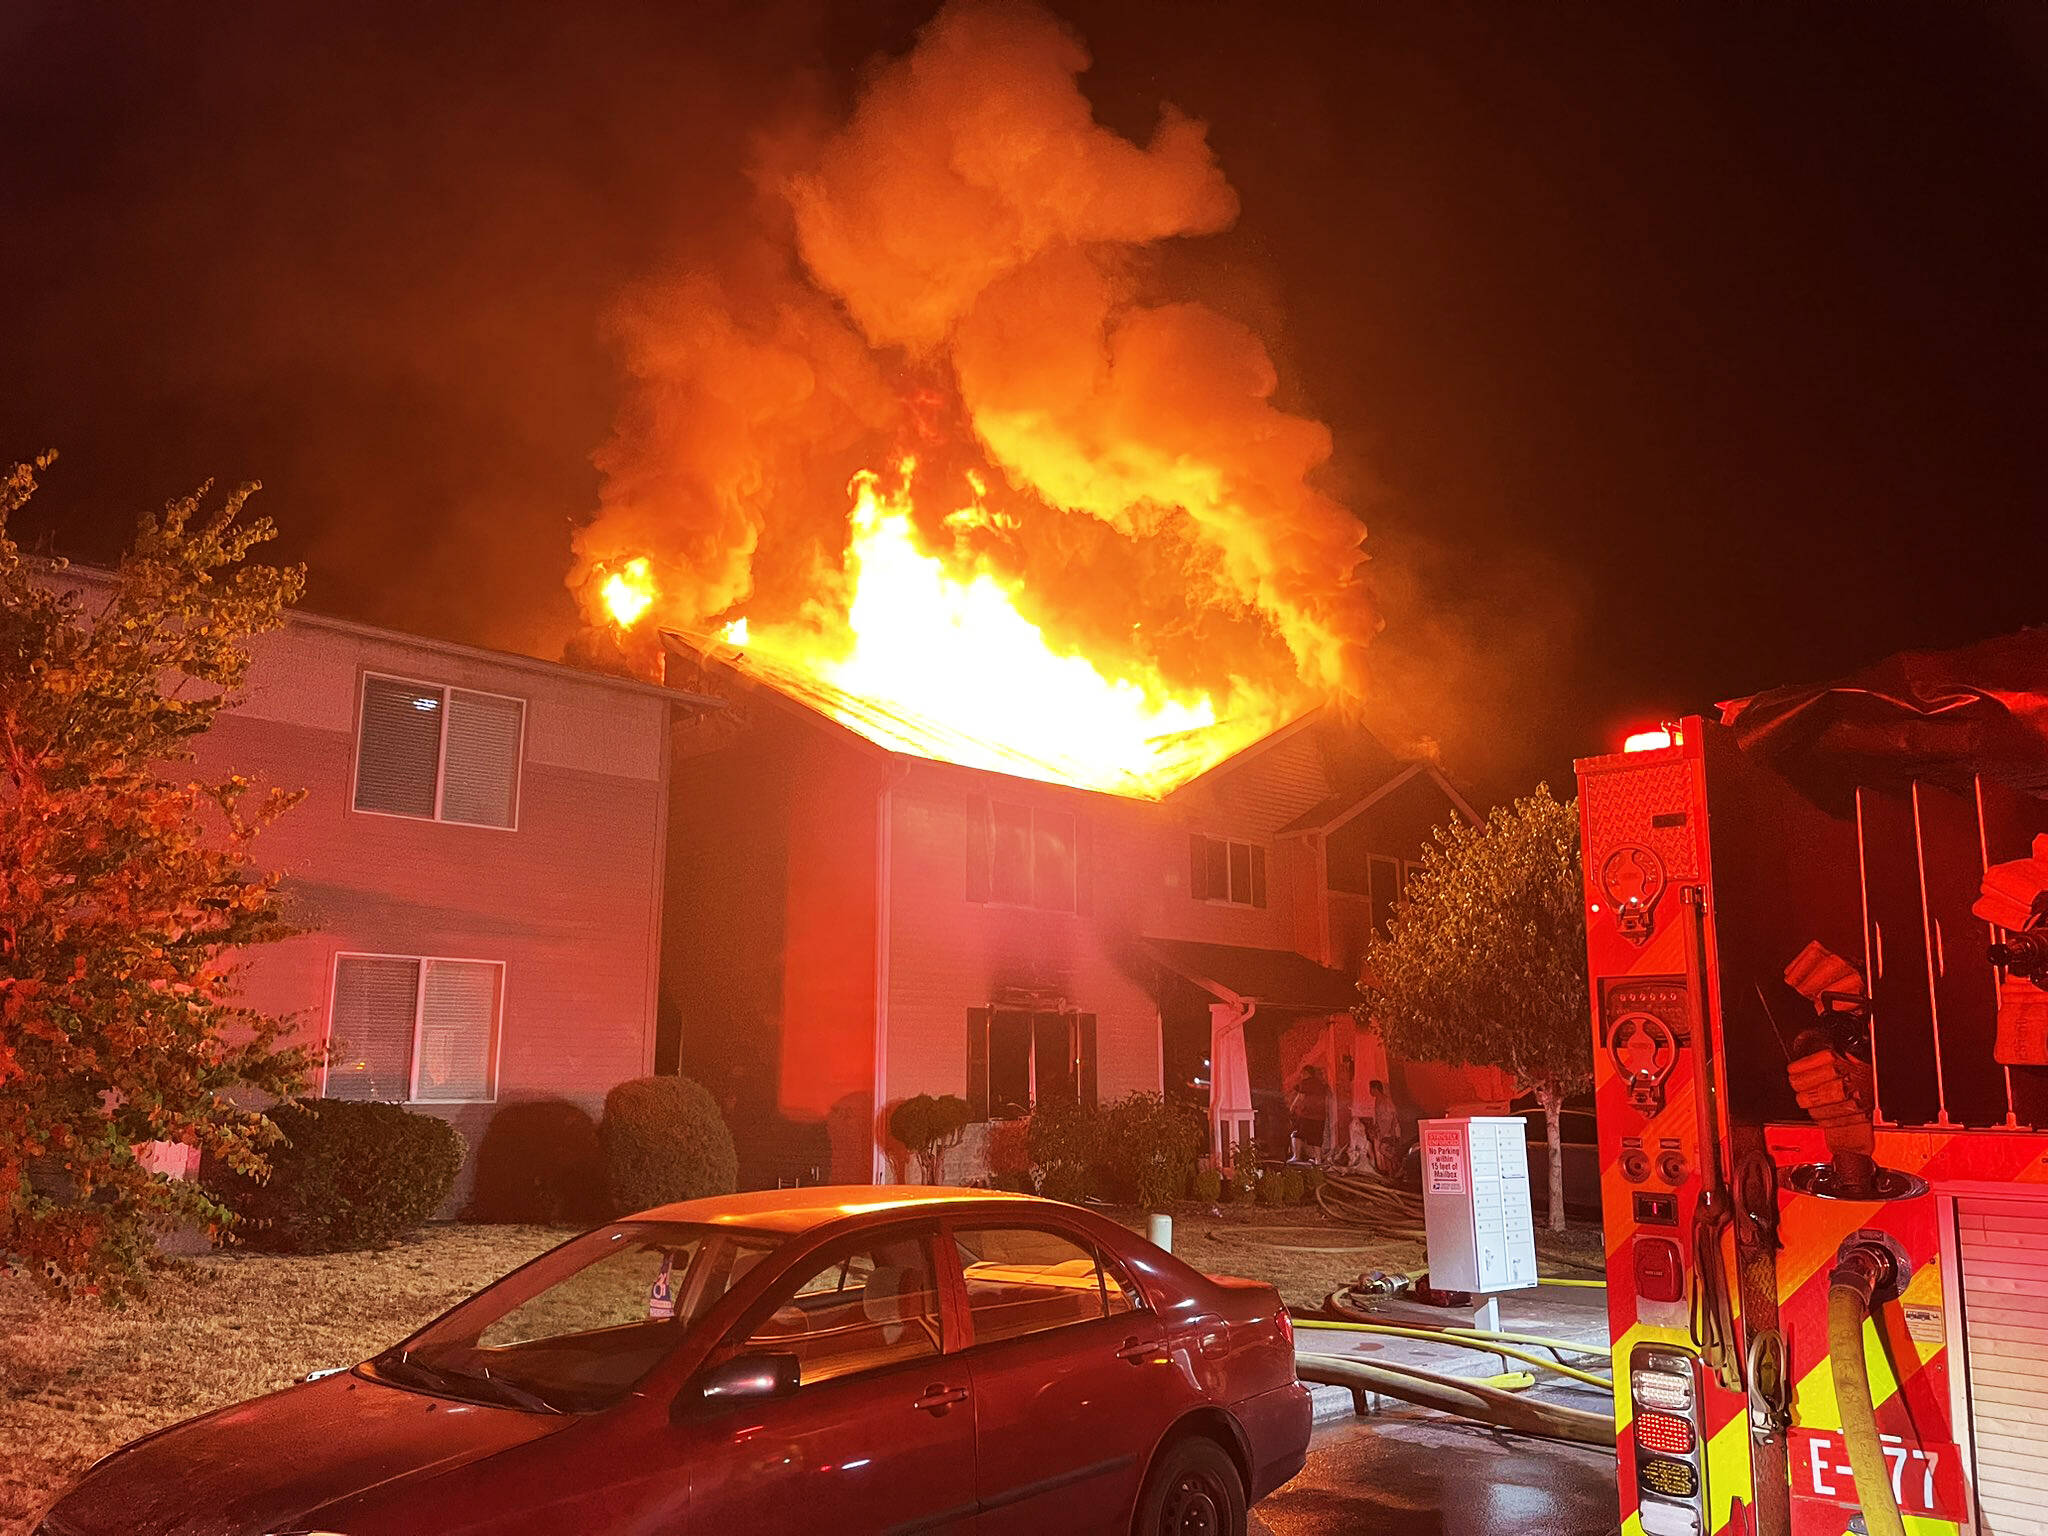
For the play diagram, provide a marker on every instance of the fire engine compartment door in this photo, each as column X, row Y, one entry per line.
column 2004, row 1284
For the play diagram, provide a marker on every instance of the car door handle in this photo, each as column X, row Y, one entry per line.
column 1138, row 1351
column 938, row 1397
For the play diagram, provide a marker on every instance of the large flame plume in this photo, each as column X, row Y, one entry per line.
column 1077, row 527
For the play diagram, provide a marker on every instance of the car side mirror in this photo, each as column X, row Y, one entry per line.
column 747, row 1378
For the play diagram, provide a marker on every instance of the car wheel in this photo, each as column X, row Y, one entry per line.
column 1193, row 1491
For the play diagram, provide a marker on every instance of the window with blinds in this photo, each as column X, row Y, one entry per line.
column 415, row 1029
column 442, row 754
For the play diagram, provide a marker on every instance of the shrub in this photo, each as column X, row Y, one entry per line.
column 928, row 1128
column 1208, row 1186
column 539, row 1161
column 1146, row 1148
column 345, row 1175
column 1312, row 1181
column 663, row 1139
column 1063, row 1138
column 1243, row 1182
column 1008, row 1151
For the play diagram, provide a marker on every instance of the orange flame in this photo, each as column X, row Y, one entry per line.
column 941, row 664
column 629, row 592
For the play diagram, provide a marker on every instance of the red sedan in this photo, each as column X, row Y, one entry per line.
column 849, row 1360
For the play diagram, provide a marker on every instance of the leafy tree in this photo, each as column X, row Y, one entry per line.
column 1485, row 961
column 126, row 891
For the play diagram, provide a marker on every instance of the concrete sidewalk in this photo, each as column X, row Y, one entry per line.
column 1575, row 1314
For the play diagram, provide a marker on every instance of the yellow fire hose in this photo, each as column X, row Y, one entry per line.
column 1855, row 1279
column 1476, row 1339
column 1456, row 1395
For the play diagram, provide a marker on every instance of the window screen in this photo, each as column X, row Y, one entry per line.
column 370, row 1030
column 1010, row 871
column 458, row 1020
column 398, row 756
column 1052, row 861
column 480, row 775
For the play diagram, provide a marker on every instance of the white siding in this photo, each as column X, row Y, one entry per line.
column 2005, row 1329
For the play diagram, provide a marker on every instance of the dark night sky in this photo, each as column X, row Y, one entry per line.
column 1672, row 351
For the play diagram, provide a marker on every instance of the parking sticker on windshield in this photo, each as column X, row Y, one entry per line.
column 661, row 1297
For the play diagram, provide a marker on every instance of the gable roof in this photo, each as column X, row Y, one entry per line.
column 1338, row 809
column 301, row 618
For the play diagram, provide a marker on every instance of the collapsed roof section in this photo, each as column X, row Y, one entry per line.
column 1175, row 761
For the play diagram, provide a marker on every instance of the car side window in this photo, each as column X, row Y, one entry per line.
column 861, row 1310
column 1023, row 1280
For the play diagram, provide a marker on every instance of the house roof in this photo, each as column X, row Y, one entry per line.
column 1330, row 814
column 1272, row 978
column 300, row 618
column 910, row 734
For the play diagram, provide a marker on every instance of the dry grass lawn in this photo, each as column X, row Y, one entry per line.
column 77, row 1380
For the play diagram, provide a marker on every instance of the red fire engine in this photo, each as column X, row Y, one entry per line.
column 1819, row 965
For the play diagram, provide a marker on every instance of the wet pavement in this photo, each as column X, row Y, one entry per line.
column 1407, row 1471
column 1415, row 1473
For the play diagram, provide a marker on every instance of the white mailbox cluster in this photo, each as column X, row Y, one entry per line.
column 1475, row 1201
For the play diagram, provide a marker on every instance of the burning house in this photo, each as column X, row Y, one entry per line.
column 864, row 906
column 1037, row 612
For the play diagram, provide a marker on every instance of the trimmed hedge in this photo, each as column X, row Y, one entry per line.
column 663, row 1139
column 346, row 1175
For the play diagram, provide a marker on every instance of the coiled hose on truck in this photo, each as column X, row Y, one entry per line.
column 1854, row 1281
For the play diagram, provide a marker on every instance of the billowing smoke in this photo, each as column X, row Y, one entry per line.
column 961, row 272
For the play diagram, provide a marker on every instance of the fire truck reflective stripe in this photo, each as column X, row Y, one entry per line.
column 2005, row 1340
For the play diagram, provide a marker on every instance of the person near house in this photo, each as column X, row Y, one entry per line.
column 1310, row 1108
column 1387, row 1141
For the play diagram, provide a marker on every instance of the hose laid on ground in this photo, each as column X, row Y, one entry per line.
column 1506, row 1335
column 1466, row 1399
column 1362, row 1198
column 1851, row 1285
column 1474, row 1339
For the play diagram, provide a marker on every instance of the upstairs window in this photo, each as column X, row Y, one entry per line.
column 1389, row 879
column 410, row 1029
column 1233, row 873
column 441, row 754
column 1026, row 856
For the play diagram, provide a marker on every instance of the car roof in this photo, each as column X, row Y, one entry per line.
column 799, row 1210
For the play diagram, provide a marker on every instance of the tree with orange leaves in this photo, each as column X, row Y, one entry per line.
column 127, row 892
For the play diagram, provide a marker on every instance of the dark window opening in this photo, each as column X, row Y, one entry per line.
column 1220, row 870
column 1385, row 878
column 1018, row 1058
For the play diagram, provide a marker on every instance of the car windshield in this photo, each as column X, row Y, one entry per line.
column 579, row 1328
